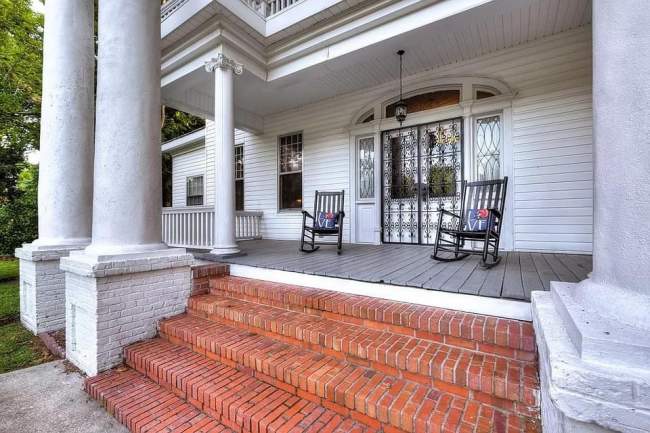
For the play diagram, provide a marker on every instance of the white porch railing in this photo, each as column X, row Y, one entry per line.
column 268, row 8
column 168, row 7
column 193, row 227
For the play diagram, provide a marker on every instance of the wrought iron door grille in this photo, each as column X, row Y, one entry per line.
column 422, row 172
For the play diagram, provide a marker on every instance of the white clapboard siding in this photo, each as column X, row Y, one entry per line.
column 551, row 142
column 184, row 165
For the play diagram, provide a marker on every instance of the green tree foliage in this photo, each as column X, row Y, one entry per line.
column 19, row 217
column 21, row 47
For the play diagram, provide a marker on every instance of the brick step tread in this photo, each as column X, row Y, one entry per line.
column 399, row 355
column 452, row 327
column 144, row 406
column 238, row 400
column 316, row 376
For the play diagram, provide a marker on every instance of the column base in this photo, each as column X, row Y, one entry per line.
column 115, row 301
column 42, row 285
column 585, row 394
column 224, row 252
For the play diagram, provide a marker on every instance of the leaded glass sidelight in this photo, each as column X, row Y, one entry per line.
column 488, row 141
column 366, row 168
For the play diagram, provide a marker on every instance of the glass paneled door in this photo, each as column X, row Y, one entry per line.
column 422, row 172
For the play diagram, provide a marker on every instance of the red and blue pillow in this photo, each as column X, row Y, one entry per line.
column 477, row 220
column 326, row 220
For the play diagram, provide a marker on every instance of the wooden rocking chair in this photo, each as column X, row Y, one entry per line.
column 324, row 203
column 487, row 195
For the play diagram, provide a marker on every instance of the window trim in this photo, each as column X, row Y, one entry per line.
column 203, row 188
column 242, row 178
column 280, row 173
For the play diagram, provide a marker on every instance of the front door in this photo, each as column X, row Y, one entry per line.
column 422, row 170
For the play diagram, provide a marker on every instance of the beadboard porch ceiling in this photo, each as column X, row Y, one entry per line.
column 518, row 274
column 322, row 67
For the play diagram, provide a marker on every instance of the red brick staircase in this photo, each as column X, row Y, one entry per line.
column 253, row 356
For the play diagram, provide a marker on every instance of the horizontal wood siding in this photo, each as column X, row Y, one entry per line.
column 184, row 165
column 551, row 140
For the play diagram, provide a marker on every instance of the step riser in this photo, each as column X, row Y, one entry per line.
column 491, row 335
column 202, row 384
column 442, row 370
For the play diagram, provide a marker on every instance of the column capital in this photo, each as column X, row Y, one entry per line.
column 222, row 61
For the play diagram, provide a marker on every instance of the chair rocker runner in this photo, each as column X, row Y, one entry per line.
column 327, row 221
column 480, row 220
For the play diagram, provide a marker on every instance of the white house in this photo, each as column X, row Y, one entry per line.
column 300, row 96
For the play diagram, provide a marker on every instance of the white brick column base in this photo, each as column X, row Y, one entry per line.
column 115, row 301
column 42, row 287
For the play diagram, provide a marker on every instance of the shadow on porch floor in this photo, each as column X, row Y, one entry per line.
column 515, row 277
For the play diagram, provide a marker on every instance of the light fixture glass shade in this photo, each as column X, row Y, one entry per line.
column 400, row 111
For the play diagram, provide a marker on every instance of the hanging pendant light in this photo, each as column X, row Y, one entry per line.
column 400, row 108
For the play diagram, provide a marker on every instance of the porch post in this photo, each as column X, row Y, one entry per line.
column 224, row 117
column 126, row 279
column 594, row 336
column 65, row 169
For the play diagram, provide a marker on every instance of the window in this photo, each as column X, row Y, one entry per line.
column 427, row 101
column 487, row 147
column 239, row 177
column 194, row 196
column 366, row 167
column 290, row 182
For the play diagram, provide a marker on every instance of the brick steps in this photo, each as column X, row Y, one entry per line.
column 448, row 368
column 505, row 337
column 345, row 387
column 143, row 406
column 237, row 399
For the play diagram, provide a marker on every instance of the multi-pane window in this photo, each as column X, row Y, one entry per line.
column 194, row 195
column 239, row 177
column 487, row 148
column 366, row 167
column 290, row 182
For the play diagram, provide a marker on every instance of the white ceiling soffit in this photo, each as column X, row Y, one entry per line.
column 352, row 66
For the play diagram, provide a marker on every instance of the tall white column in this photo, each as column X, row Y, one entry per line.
column 224, row 117
column 126, row 279
column 128, row 187
column 594, row 336
column 65, row 169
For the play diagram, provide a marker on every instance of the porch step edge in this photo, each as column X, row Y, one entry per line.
column 142, row 405
column 418, row 360
column 505, row 337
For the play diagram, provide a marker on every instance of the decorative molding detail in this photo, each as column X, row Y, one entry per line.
column 223, row 62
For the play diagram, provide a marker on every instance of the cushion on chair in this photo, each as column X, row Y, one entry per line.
column 477, row 220
column 325, row 220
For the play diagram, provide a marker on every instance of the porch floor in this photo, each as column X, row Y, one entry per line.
column 515, row 277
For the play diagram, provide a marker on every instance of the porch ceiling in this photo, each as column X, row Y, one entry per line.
column 496, row 25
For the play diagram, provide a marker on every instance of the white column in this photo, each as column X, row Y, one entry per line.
column 66, row 154
column 126, row 280
column 224, row 117
column 127, row 202
column 594, row 336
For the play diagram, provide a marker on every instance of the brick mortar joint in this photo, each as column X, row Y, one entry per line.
column 110, row 268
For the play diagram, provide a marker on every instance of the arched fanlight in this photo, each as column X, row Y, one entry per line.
column 400, row 108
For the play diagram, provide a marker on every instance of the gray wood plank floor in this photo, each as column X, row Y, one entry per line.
column 517, row 275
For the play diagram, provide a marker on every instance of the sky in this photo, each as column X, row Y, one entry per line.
column 38, row 6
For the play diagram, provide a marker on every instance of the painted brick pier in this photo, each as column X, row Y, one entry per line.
column 253, row 356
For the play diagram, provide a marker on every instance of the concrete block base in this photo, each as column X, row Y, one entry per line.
column 115, row 301
column 585, row 396
column 42, row 286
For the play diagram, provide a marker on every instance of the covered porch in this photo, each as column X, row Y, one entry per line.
column 518, row 274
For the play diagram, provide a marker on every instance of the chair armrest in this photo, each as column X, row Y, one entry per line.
column 307, row 214
column 340, row 214
column 446, row 212
column 495, row 212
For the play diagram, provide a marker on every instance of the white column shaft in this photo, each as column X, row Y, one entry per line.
column 128, row 186
column 66, row 167
column 224, row 117
column 621, row 162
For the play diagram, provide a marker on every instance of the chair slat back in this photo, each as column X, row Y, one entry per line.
column 329, row 201
column 484, row 194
